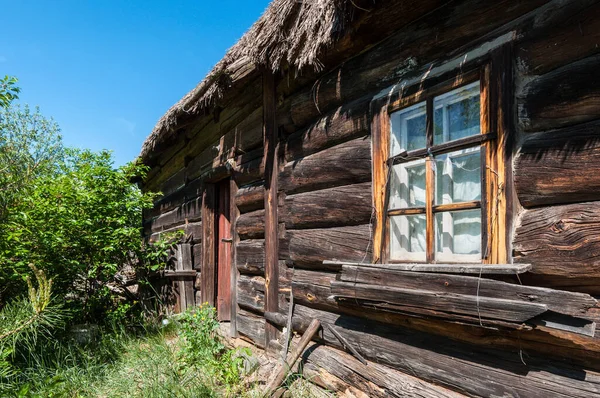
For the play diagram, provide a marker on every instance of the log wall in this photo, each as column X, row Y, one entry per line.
column 325, row 198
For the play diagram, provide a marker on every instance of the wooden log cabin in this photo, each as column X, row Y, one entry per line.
column 420, row 176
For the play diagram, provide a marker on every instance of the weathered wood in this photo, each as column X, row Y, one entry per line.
column 251, row 225
column 251, row 293
column 251, row 326
column 271, row 166
column 249, row 134
column 559, row 167
column 283, row 370
column 208, row 246
column 197, row 255
column 451, row 27
column 344, row 164
column 187, row 212
column 323, row 362
column 473, row 370
column 570, row 32
column 248, row 172
column 250, row 198
column 563, row 244
column 251, row 256
column 169, row 273
column 333, row 207
column 484, row 269
column 566, row 96
column 313, row 288
column 234, row 213
column 309, row 247
column 343, row 124
column 413, row 300
column 574, row 304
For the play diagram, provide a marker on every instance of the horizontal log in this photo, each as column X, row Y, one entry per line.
column 249, row 134
column 249, row 172
column 250, row 256
column 251, row 225
column 309, row 247
column 251, row 293
column 413, row 300
column 419, row 46
column 559, row 166
column 344, row 164
column 180, row 273
column 336, row 370
column 343, row 124
column 469, row 369
column 251, row 326
column 570, row 32
column 563, row 245
column 484, row 269
column 574, row 304
column 250, row 198
column 566, row 96
column 186, row 213
column 333, row 207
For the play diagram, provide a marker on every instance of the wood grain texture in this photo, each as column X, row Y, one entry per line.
column 251, row 327
column 569, row 32
column 333, row 207
column 575, row 304
column 414, row 301
column 336, row 370
column 559, row 166
column 251, row 225
column 250, row 256
column 250, row 198
column 563, row 245
column 308, row 248
column 343, row 124
column 566, row 96
column 208, row 245
column 251, row 293
column 468, row 369
column 344, row 164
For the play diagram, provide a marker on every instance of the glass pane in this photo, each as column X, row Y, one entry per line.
column 407, row 185
column 458, row 176
column 408, row 129
column 458, row 235
column 407, row 238
column 456, row 114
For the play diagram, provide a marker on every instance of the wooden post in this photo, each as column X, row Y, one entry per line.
column 234, row 214
column 208, row 245
column 271, row 166
column 312, row 329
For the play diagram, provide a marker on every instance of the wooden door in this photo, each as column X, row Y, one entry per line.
column 223, row 252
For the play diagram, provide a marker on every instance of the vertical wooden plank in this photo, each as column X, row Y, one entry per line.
column 180, row 282
column 498, row 75
column 234, row 213
column 271, row 166
column 223, row 253
column 188, row 282
column 208, row 245
column 380, row 130
column 429, row 188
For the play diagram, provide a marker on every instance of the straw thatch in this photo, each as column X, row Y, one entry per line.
column 290, row 33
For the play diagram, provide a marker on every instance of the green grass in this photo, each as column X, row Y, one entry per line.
column 147, row 364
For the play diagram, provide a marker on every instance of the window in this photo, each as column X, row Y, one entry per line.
column 440, row 173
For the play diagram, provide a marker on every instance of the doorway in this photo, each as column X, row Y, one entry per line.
column 223, row 248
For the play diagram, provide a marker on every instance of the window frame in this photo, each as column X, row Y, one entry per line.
column 494, row 73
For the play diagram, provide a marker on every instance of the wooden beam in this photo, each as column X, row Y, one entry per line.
column 208, row 292
column 234, row 214
column 271, row 167
column 484, row 269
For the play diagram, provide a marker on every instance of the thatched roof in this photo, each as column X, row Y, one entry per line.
column 290, row 33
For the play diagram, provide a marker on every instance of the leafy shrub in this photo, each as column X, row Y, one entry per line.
column 203, row 346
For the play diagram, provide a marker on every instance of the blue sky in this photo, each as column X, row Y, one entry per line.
column 107, row 70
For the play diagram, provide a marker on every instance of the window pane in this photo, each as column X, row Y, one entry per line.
column 408, row 129
column 458, row 176
column 456, row 114
column 407, row 185
column 458, row 235
column 407, row 238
